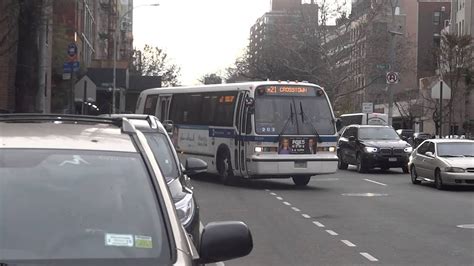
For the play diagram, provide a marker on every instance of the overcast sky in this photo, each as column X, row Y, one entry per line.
column 201, row 36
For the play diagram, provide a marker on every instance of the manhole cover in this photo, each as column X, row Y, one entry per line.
column 364, row 195
column 466, row 226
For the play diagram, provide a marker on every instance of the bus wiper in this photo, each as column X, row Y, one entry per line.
column 290, row 118
column 304, row 117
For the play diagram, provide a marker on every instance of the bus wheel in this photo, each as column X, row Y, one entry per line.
column 301, row 180
column 224, row 167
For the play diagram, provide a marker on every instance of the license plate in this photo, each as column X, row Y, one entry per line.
column 392, row 159
column 301, row 164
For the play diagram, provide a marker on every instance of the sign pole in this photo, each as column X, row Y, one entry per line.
column 441, row 108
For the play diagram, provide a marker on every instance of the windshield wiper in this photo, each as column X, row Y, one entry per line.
column 468, row 155
column 304, row 117
column 290, row 118
column 451, row 156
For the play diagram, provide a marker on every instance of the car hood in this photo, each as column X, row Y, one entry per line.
column 386, row 143
column 463, row 162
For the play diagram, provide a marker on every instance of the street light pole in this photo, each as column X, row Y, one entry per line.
column 114, row 81
column 392, row 62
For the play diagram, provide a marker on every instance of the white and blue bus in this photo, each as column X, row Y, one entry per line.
column 252, row 130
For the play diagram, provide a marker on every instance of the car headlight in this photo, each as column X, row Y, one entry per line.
column 185, row 209
column 454, row 170
column 408, row 149
column 258, row 149
column 371, row 149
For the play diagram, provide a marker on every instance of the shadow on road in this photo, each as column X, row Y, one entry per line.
column 258, row 184
column 430, row 185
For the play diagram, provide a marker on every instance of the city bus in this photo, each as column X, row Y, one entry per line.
column 251, row 130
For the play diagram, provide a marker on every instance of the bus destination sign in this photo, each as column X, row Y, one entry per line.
column 284, row 90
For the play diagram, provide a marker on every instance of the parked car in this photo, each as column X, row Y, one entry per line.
column 419, row 137
column 369, row 147
column 444, row 162
column 78, row 190
column 175, row 174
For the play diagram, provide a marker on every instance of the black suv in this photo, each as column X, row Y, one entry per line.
column 372, row 146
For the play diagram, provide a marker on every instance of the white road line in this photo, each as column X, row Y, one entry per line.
column 279, row 198
column 318, row 224
column 295, row 209
column 306, row 216
column 348, row 243
column 286, row 203
column 220, row 264
column 267, row 190
column 368, row 256
column 331, row 232
column 375, row 182
column 273, row 193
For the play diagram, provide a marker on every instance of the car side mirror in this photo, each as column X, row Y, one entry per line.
column 221, row 241
column 429, row 154
column 352, row 138
column 338, row 124
column 195, row 166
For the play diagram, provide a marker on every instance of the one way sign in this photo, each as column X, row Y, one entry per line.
column 393, row 77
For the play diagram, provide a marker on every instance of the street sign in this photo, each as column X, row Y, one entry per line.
column 72, row 50
column 367, row 108
column 392, row 77
column 69, row 67
column 436, row 91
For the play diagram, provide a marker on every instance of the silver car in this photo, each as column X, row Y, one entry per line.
column 444, row 162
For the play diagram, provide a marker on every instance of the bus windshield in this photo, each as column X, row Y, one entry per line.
column 292, row 110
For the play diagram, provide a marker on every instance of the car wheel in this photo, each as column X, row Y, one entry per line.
column 224, row 168
column 340, row 163
column 301, row 180
column 405, row 170
column 438, row 180
column 414, row 176
column 361, row 167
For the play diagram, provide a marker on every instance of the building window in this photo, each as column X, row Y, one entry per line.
column 436, row 18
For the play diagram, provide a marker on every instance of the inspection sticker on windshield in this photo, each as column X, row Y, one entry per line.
column 143, row 242
column 116, row 240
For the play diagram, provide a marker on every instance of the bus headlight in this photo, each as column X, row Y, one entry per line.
column 332, row 149
column 258, row 149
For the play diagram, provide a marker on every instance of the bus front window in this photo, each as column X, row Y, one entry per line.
column 292, row 111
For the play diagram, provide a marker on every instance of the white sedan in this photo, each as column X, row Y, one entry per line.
column 444, row 162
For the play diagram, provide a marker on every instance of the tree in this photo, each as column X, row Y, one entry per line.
column 212, row 78
column 455, row 61
column 153, row 61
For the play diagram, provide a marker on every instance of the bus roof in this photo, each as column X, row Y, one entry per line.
column 225, row 87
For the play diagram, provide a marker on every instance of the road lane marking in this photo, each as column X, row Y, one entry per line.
column 279, row 198
column 348, row 243
column 375, row 182
column 368, row 256
column 305, row 216
column 365, row 194
column 466, row 226
column 273, row 193
column 331, row 232
column 318, row 224
column 267, row 190
column 286, row 203
column 295, row 209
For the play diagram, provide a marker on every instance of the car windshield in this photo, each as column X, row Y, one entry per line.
column 458, row 149
column 161, row 149
column 377, row 133
column 58, row 207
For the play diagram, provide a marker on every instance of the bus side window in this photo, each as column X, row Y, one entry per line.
column 237, row 116
column 249, row 123
column 150, row 104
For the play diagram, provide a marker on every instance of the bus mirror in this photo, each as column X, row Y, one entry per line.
column 338, row 124
column 168, row 124
column 249, row 102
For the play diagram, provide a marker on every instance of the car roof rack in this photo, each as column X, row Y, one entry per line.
column 149, row 118
column 121, row 122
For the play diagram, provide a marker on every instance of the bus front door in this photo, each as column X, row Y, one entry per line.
column 163, row 107
column 242, row 128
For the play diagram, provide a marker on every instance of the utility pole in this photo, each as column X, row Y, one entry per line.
column 44, row 64
column 391, row 87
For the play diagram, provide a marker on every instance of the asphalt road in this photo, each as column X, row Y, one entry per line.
column 347, row 218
